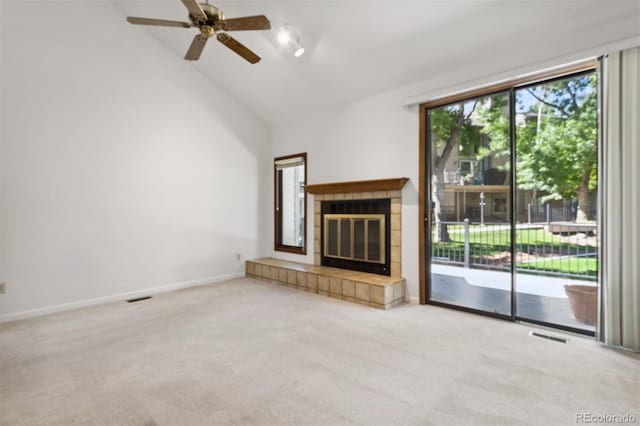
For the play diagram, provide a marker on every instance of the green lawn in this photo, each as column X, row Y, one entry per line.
column 487, row 242
column 532, row 238
column 572, row 265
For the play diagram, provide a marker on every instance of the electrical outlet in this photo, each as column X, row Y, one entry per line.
column 238, row 256
column 2, row 288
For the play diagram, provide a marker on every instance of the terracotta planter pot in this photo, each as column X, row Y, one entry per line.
column 582, row 299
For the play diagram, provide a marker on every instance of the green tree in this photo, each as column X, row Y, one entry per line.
column 556, row 139
column 451, row 128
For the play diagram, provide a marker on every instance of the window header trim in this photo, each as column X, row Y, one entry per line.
column 512, row 83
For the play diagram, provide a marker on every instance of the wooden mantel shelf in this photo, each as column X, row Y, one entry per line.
column 358, row 186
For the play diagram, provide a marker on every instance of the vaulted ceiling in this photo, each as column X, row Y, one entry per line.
column 356, row 49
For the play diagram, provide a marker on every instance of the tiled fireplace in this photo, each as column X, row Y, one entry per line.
column 361, row 225
column 362, row 191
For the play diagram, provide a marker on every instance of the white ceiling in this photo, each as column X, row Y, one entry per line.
column 356, row 49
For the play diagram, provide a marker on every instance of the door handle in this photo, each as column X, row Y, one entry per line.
column 427, row 219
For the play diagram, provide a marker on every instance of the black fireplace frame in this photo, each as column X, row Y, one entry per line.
column 368, row 206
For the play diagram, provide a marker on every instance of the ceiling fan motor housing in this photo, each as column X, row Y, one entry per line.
column 213, row 15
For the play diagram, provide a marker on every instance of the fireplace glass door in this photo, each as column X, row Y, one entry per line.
column 355, row 234
column 358, row 237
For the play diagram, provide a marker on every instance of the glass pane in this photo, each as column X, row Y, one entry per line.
column 292, row 206
column 373, row 240
column 332, row 249
column 358, row 239
column 471, row 201
column 345, row 238
column 556, row 163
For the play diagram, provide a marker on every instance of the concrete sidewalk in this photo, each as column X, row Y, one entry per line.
column 525, row 283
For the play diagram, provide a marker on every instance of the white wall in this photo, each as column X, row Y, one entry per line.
column 123, row 169
column 374, row 138
column 377, row 137
column 1, row 174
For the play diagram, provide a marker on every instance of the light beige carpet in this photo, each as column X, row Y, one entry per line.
column 246, row 352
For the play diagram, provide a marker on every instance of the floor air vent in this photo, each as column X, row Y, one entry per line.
column 139, row 299
column 548, row 337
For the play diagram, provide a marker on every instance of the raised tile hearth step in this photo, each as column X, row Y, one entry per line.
column 373, row 290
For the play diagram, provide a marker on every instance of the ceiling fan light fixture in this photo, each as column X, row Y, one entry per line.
column 289, row 38
column 284, row 37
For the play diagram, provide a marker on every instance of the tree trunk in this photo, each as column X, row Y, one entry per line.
column 584, row 201
column 442, row 233
column 437, row 185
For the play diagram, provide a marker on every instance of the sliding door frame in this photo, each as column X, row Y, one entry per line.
column 424, row 212
column 497, row 90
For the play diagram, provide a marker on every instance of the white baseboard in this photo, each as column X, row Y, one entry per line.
column 414, row 300
column 115, row 298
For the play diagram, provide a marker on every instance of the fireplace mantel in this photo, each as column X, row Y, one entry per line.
column 358, row 186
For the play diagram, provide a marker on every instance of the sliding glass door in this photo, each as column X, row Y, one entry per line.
column 510, row 200
column 470, row 199
column 556, row 242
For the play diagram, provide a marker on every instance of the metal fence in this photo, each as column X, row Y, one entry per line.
column 547, row 213
column 537, row 251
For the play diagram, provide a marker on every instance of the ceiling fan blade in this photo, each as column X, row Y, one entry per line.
column 195, row 50
column 258, row 22
column 238, row 47
column 157, row 22
column 195, row 10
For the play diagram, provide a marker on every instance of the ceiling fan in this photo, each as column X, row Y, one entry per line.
column 210, row 21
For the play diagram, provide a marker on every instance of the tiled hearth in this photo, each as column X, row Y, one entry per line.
column 369, row 289
column 377, row 291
